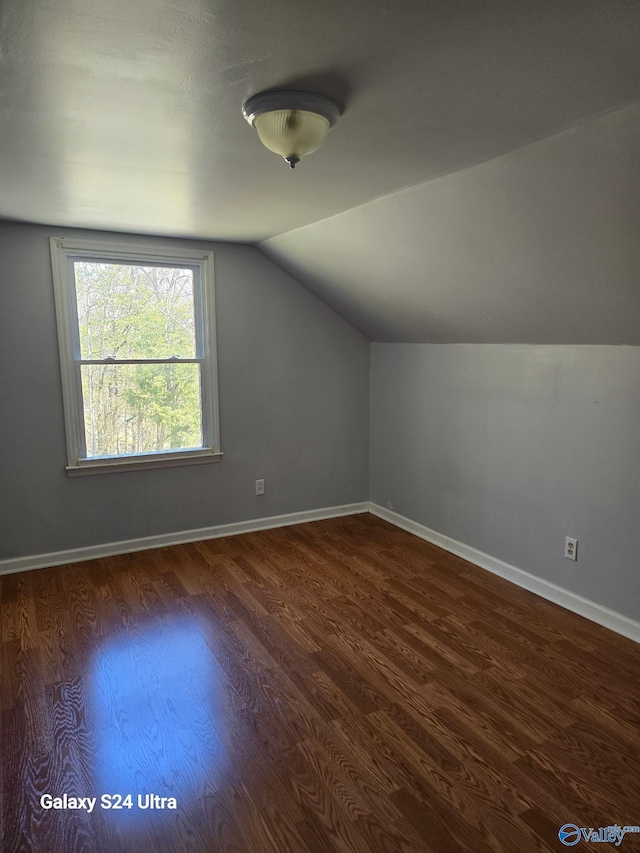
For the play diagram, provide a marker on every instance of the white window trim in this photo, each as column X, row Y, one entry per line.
column 63, row 252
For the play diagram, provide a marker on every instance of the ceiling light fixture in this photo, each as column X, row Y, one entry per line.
column 291, row 124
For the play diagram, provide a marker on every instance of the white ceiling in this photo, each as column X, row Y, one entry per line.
column 540, row 246
column 126, row 115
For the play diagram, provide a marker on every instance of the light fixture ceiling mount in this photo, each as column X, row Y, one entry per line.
column 291, row 123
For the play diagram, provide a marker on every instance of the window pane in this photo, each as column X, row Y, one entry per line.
column 141, row 408
column 128, row 311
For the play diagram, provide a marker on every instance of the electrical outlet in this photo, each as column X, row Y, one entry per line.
column 571, row 548
column 259, row 487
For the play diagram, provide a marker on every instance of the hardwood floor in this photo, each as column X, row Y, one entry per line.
column 335, row 686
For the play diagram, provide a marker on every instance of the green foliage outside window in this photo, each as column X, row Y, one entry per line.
column 138, row 312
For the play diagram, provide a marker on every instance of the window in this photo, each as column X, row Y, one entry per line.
column 136, row 329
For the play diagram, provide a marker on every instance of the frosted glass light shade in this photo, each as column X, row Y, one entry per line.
column 292, row 133
column 291, row 123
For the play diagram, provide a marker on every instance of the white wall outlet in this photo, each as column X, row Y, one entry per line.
column 259, row 487
column 571, row 548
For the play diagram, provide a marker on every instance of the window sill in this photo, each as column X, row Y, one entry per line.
column 137, row 463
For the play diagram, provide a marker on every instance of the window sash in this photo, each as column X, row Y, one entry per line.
column 198, row 294
column 86, row 457
column 172, row 360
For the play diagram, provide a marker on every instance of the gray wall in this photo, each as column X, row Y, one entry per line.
column 294, row 404
column 511, row 448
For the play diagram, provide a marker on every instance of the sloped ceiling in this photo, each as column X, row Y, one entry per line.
column 126, row 116
column 539, row 246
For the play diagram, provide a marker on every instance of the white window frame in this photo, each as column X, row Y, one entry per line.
column 64, row 251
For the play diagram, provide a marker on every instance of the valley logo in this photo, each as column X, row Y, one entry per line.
column 570, row 834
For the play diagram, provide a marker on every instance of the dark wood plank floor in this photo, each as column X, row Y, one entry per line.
column 335, row 686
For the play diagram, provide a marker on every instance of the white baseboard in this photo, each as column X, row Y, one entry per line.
column 545, row 589
column 110, row 549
